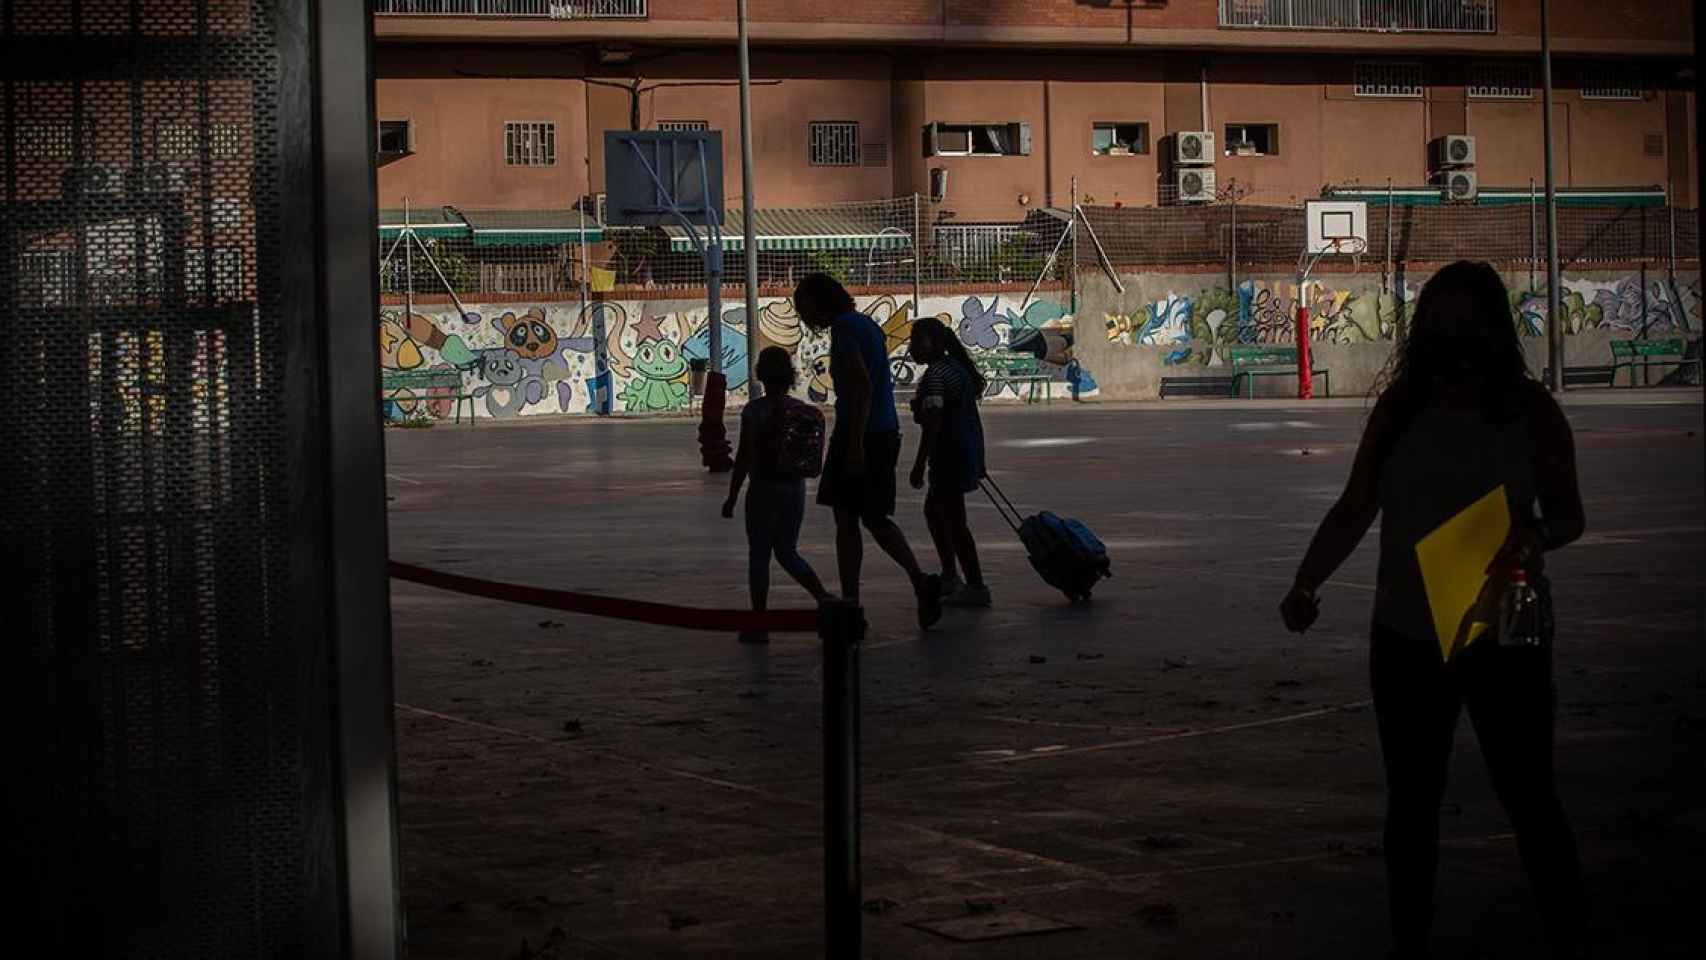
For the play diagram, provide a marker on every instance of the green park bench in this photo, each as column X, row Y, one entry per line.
column 419, row 384
column 1019, row 370
column 1629, row 354
column 1269, row 361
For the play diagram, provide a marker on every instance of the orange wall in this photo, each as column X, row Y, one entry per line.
column 1074, row 107
column 1243, row 92
column 459, row 142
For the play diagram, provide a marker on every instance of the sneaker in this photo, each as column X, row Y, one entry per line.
column 754, row 636
column 929, row 591
column 968, row 596
column 950, row 586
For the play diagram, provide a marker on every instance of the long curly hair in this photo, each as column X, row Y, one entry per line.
column 939, row 333
column 1432, row 353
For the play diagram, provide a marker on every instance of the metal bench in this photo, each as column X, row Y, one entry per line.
column 1629, row 354
column 1002, row 369
column 1269, row 361
column 1197, row 387
column 418, row 385
column 1583, row 376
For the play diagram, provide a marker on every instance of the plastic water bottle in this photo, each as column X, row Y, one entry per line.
column 1519, row 613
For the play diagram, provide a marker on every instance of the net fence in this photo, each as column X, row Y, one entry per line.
column 910, row 244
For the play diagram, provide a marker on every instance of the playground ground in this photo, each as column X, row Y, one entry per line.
column 1163, row 773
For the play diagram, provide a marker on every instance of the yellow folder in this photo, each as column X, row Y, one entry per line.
column 601, row 280
column 1454, row 560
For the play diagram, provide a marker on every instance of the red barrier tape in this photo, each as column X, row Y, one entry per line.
column 593, row 605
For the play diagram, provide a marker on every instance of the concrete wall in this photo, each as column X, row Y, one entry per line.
column 630, row 356
column 1183, row 324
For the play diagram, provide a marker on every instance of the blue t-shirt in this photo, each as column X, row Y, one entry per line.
column 854, row 332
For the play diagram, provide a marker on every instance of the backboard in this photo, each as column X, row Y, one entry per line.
column 686, row 164
column 1336, row 226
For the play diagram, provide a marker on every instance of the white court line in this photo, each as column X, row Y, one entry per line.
column 1140, row 741
column 1047, row 442
column 398, row 476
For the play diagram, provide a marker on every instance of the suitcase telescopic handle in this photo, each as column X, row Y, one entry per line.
column 1003, row 506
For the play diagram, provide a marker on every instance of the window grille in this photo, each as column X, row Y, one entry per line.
column 834, row 143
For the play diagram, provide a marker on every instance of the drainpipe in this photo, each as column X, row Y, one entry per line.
column 1203, row 84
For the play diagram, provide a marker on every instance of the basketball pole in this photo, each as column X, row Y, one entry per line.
column 753, row 388
column 1554, row 292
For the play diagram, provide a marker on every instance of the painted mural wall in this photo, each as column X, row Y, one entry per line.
column 632, row 357
column 1193, row 323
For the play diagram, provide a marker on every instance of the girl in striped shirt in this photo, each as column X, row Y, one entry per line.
column 951, row 454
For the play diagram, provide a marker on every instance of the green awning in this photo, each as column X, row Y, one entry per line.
column 1506, row 196
column 426, row 221
column 782, row 228
column 530, row 228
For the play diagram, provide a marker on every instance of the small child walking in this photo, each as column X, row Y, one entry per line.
column 776, row 501
column 952, row 451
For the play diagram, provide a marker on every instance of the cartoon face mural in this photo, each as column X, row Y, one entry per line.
column 503, row 392
column 657, row 388
column 528, row 335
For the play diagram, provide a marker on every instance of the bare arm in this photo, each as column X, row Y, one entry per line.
column 1350, row 517
column 1555, row 479
column 853, row 381
column 1562, row 518
column 743, row 463
column 931, row 419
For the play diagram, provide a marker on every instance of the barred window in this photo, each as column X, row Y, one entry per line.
column 1612, row 81
column 1385, row 79
column 1501, row 81
column 683, row 126
column 530, row 143
column 180, row 141
column 49, row 140
column 834, row 143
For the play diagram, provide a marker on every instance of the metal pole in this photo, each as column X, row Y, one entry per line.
column 1232, row 243
column 917, row 257
column 1391, row 281
column 753, row 388
column 1072, row 264
column 1554, row 276
column 841, row 627
column 1670, row 226
column 1533, row 234
column 408, row 266
column 586, row 263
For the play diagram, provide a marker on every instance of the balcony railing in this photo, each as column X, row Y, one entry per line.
column 529, row 9
column 1440, row 16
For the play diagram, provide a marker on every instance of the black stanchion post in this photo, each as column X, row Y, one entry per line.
column 842, row 627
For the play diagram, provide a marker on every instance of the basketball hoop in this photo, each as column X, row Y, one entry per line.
column 1332, row 228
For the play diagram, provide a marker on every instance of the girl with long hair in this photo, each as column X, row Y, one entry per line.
column 952, row 452
column 1459, row 417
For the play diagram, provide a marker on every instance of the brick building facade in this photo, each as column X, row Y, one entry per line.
column 494, row 103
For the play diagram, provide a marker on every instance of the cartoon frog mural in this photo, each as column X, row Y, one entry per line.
column 656, row 386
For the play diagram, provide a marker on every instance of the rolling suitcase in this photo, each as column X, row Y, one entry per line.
column 1066, row 554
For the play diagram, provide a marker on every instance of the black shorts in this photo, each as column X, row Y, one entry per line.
column 870, row 493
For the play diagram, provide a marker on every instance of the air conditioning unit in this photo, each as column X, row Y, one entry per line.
column 160, row 176
column 1451, row 152
column 938, row 184
column 1193, row 147
column 1196, row 184
column 1460, row 186
column 91, row 180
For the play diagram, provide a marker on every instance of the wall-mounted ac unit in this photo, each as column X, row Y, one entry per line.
column 1450, row 152
column 1193, row 147
column 1196, row 184
column 938, row 184
column 1459, row 186
column 159, row 176
column 90, row 180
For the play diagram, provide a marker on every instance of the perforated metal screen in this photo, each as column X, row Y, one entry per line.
column 160, row 693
